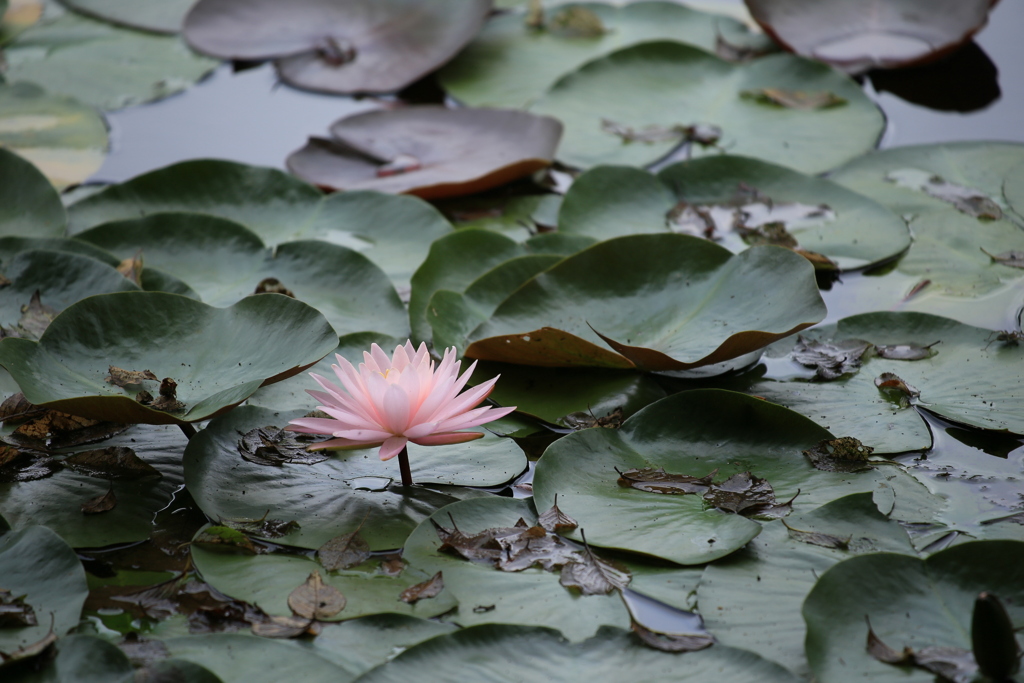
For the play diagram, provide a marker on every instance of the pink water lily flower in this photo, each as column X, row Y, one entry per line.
column 389, row 402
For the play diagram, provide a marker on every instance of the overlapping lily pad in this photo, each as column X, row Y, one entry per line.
column 894, row 176
column 40, row 569
column 371, row 46
column 242, row 657
column 65, row 139
column 159, row 16
column 870, row 35
column 910, row 602
column 28, row 203
column 217, row 357
column 267, row 581
column 347, row 492
column 56, row 501
column 973, row 379
column 669, row 84
column 540, row 654
column 428, row 151
column 393, row 231
column 510, row 63
column 663, row 302
column 851, row 229
column 767, row 581
column 102, row 65
column 224, row 262
column 721, row 432
column 531, row 597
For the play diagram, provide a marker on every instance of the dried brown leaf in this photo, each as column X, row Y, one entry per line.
column 657, row 480
column 1013, row 258
column 222, row 539
column 831, row 359
column 17, row 465
column 819, row 539
column 750, row 496
column 316, row 600
column 274, row 447
column 120, row 377
column 894, row 389
column 430, row 588
column 344, row 552
column 555, row 520
column 35, row 317
column 102, row 503
column 794, row 99
column 15, row 612
column 113, row 462
column 282, row 627
column 272, row 285
column 667, row 642
column 131, row 268
column 845, row 454
column 534, row 546
column 592, row 575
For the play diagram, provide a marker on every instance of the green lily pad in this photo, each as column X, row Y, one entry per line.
column 671, row 84
column 158, row 16
column 240, row 657
column 723, row 431
column 64, row 138
column 267, row 580
column 1013, row 190
column 217, row 356
column 663, row 302
column 152, row 280
column 969, row 380
column 506, row 653
column 553, row 393
column 519, row 217
column 457, row 261
column 341, row 494
column 767, row 581
column 56, row 501
column 38, row 566
column 362, row 46
column 910, row 602
column 853, row 230
column 393, row 231
column 28, row 203
column 981, row 167
column 510, row 64
column 102, row 65
column 531, row 597
column 225, row 262
column 60, row 279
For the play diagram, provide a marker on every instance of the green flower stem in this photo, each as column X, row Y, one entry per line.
column 403, row 465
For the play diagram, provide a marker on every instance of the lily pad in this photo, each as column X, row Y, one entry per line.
column 158, row 16
column 352, row 490
column 910, row 602
column 59, row 279
column 241, row 657
column 510, row 64
column 710, row 306
column 393, row 231
column 980, row 167
column 102, row 65
column 724, row 433
column 1013, row 190
column 428, row 151
column 225, row 262
column 37, row 564
column 532, row 596
column 366, row 46
column 671, row 84
column 64, row 138
column 28, row 203
column 767, row 581
column 850, row 229
column 56, row 501
column 972, row 379
column 217, row 357
column 267, row 580
column 540, row 654
column 873, row 35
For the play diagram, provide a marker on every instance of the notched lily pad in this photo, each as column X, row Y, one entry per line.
column 364, row 46
column 845, row 454
column 429, row 151
column 113, row 462
column 877, row 34
column 830, row 359
column 275, row 447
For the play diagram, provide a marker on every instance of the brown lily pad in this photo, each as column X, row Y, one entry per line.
column 428, row 151
column 339, row 47
column 873, row 34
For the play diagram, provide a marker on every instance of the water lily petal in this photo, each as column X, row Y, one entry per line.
column 395, row 409
column 342, row 445
column 473, row 418
column 314, row 425
column 450, row 438
column 392, row 447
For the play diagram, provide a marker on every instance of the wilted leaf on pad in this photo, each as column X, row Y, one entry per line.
column 35, row 317
column 845, row 454
column 966, row 200
column 371, row 46
column 555, row 521
column 113, row 462
column 456, row 151
column 750, row 496
column 343, row 552
column 875, row 34
column 952, row 664
column 275, row 447
column 104, row 503
column 223, row 539
column 120, row 377
column 282, row 627
column 895, row 389
column 430, row 588
column 905, row 351
column 795, row 99
column 15, row 612
column 831, row 359
column 17, row 465
column 1008, row 258
column 264, row 528
column 316, row 600
column 818, row 538
column 657, row 480
column 592, row 575
column 672, row 642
